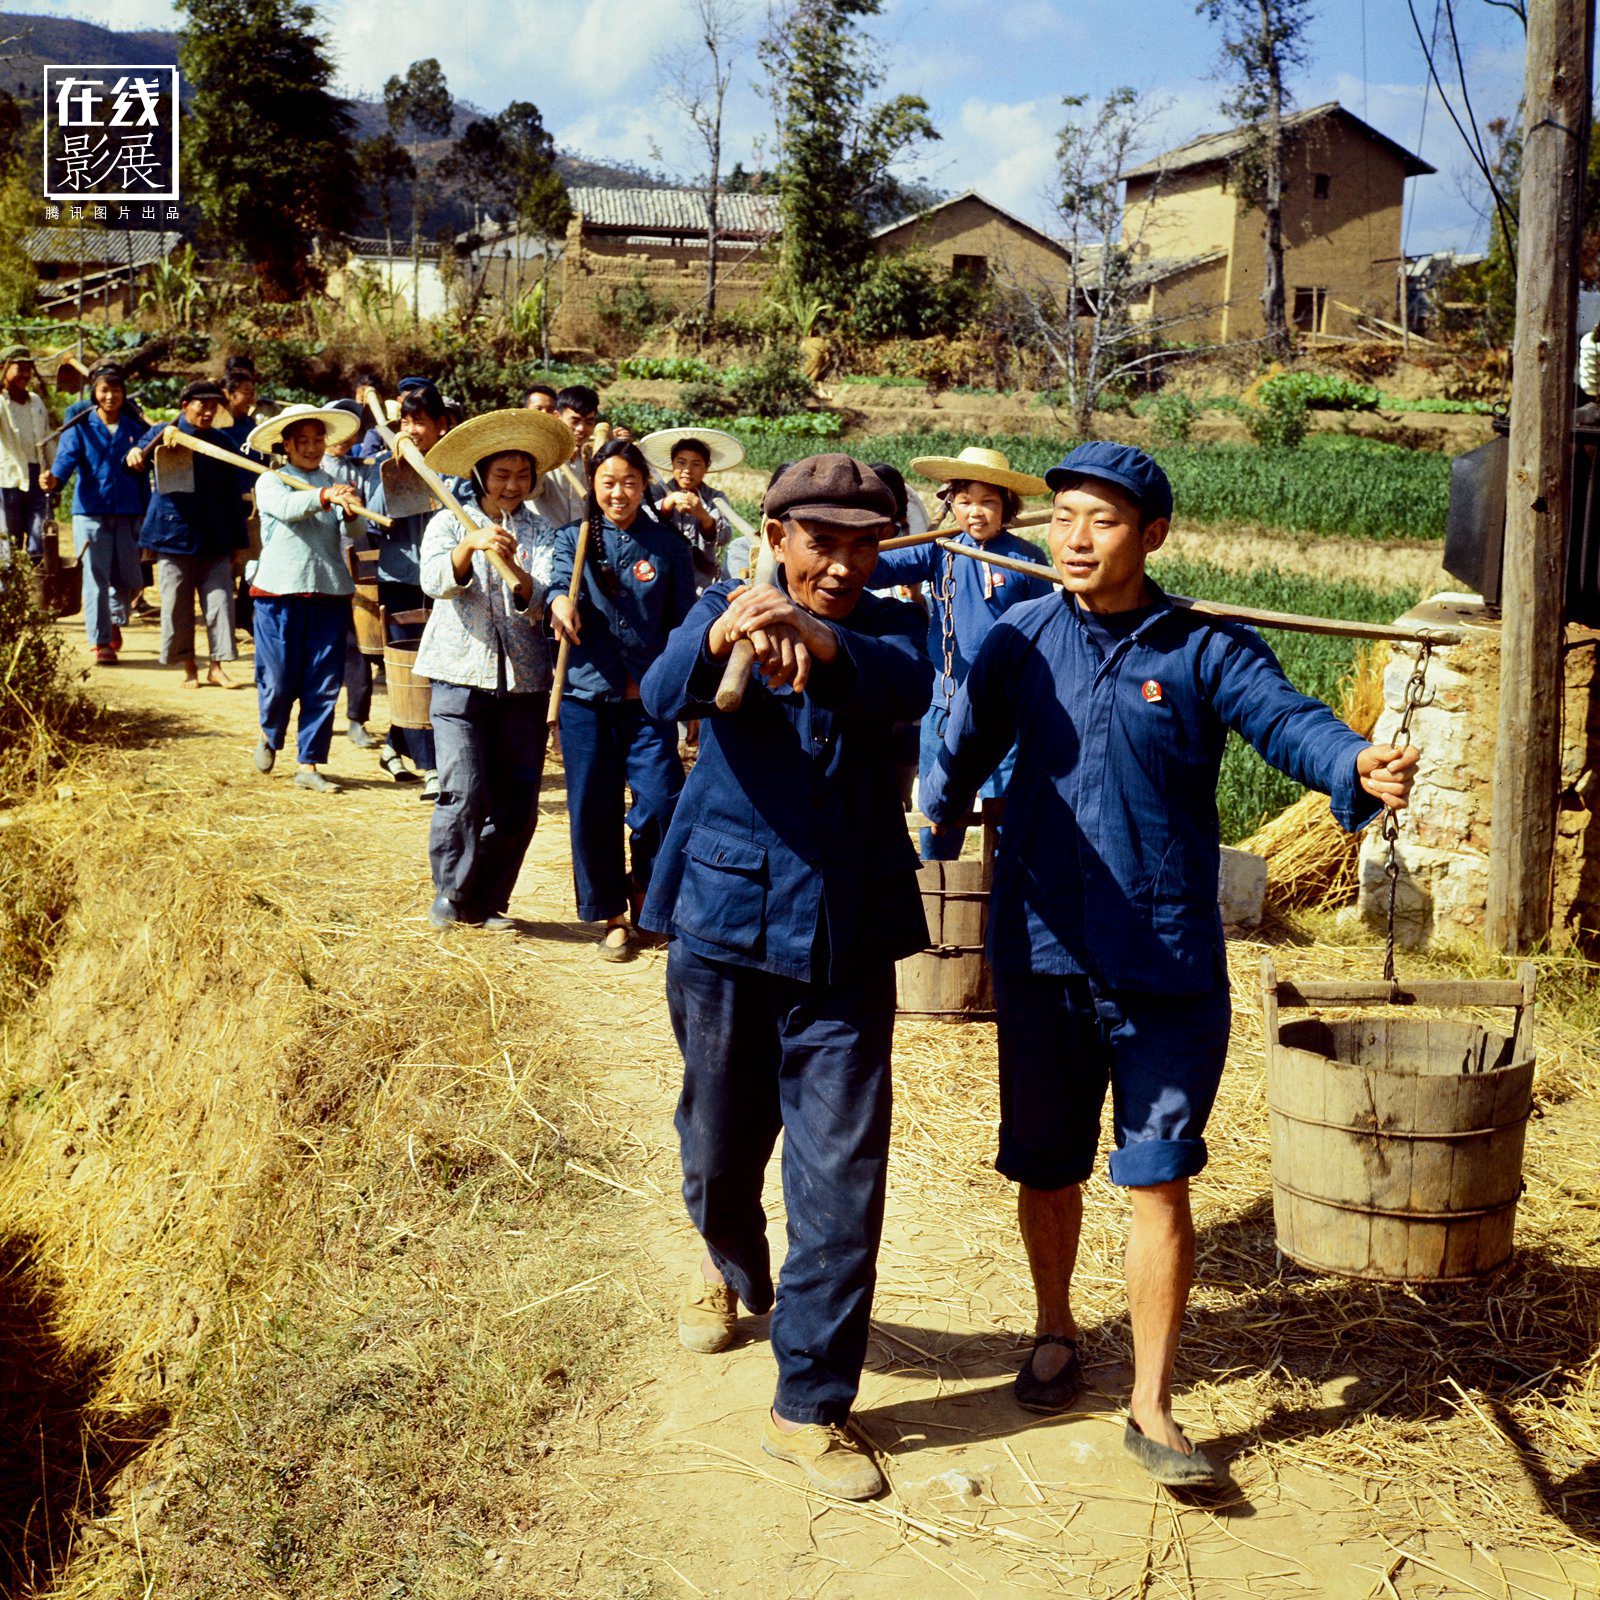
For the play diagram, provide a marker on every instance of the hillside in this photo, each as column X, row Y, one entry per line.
column 61, row 41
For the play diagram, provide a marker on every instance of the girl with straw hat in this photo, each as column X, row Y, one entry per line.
column 485, row 655
column 301, row 588
column 699, row 511
column 984, row 496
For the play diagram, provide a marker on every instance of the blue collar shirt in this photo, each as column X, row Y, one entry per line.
column 1109, row 859
column 979, row 593
column 207, row 521
column 788, row 850
column 106, row 486
column 638, row 585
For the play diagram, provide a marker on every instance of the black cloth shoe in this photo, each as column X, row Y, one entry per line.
column 1172, row 1467
column 1056, row 1395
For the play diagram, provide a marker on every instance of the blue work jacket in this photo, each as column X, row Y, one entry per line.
column 400, row 547
column 979, row 593
column 207, row 521
column 1108, row 862
column 788, row 839
column 637, row 587
column 106, row 486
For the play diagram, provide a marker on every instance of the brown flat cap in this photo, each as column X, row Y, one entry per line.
column 833, row 489
column 201, row 389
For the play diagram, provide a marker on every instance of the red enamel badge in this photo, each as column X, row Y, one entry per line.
column 644, row 572
column 1152, row 690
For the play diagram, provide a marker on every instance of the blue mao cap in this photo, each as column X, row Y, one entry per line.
column 1130, row 469
column 413, row 383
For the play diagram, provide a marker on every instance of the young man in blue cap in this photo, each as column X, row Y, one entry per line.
column 1104, row 931
column 788, row 886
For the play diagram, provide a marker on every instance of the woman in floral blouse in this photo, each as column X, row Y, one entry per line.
column 486, row 657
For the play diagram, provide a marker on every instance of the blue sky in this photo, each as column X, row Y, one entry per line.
column 993, row 71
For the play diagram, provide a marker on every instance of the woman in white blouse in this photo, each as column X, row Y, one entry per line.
column 486, row 657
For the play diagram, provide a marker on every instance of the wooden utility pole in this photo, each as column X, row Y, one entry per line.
column 1527, row 769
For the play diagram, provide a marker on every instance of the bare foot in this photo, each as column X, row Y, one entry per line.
column 218, row 679
column 191, row 678
column 708, row 1269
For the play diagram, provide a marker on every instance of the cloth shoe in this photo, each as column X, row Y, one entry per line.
column 357, row 734
column 1050, row 1397
column 105, row 655
column 312, row 779
column 499, row 922
column 394, row 764
column 430, row 786
column 116, row 637
column 831, row 1460
column 708, row 1316
column 264, row 756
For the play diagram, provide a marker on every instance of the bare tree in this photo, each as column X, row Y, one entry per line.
column 1263, row 41
column 697, row 81
column 1096, row 324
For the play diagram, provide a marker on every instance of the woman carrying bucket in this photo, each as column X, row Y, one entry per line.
column 301, row 588
column 637, row 585
column 984, row 496
column 485, row 655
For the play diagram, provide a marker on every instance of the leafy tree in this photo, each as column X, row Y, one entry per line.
column 905, row 297
column 419, row 105
column 1263, row 41
column 266, row 142
column 383, row 164
column 836, row 146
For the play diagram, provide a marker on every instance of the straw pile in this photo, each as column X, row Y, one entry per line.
column 1312, row 863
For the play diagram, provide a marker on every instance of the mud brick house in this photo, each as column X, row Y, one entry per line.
column 1201, row 239
column 623, row 240
column 973, row 237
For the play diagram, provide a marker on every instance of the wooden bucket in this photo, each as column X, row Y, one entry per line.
column 1397, row 1141
column 365, row 610
column 55, row 586
column 950, row 980
column 408, row 694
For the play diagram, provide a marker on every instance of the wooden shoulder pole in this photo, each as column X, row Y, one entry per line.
column 564, row 653
column 1527, row 770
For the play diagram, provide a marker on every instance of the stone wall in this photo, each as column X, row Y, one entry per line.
column 1444, row 835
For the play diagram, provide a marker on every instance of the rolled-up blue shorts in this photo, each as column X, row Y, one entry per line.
column 1063, row 1039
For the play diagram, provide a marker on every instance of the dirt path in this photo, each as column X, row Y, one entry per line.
column 1326, row 1497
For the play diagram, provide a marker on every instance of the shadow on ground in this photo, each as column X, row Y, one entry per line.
column 59, row 1451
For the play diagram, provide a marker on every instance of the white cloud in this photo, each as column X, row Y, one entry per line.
column 1007, row 152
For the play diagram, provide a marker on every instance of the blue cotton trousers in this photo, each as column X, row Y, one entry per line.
column 608, row 746
column 108, row 556
column 763, row 1053
column 300, row 657
column 491, row 759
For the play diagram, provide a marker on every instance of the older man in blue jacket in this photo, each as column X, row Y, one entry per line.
column 1104, row 931
column 788, row 885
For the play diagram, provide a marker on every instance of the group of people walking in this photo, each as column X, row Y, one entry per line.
column 780, row 873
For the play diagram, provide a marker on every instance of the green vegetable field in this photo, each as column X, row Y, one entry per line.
column 1330, row 485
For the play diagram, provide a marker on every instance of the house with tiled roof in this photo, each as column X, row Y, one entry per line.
column 630, row 247
column 1191, row 221
column 970, row 236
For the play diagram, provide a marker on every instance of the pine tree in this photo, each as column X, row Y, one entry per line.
column 266, row 143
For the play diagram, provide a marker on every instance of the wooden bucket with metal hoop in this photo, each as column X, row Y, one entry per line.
column 950, row 980
column 1397, row 1141
column 408, row 694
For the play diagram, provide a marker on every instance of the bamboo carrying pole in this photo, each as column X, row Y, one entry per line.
column 564, row 653
column 742, row 658
column 1289, row 621
column 1527, row 767
column 201, row 447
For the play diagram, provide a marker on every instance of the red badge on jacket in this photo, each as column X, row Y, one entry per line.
column 644, row 572
column 1152, row 690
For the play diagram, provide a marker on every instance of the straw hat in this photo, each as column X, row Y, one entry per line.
column 977, row 465
column 536, row 433
column 268, row 436
column 726, row 451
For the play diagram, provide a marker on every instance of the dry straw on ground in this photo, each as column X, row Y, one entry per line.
column 267, row 1167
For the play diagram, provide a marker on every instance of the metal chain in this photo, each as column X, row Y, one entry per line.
column 946, row 600
column 1415, row 690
